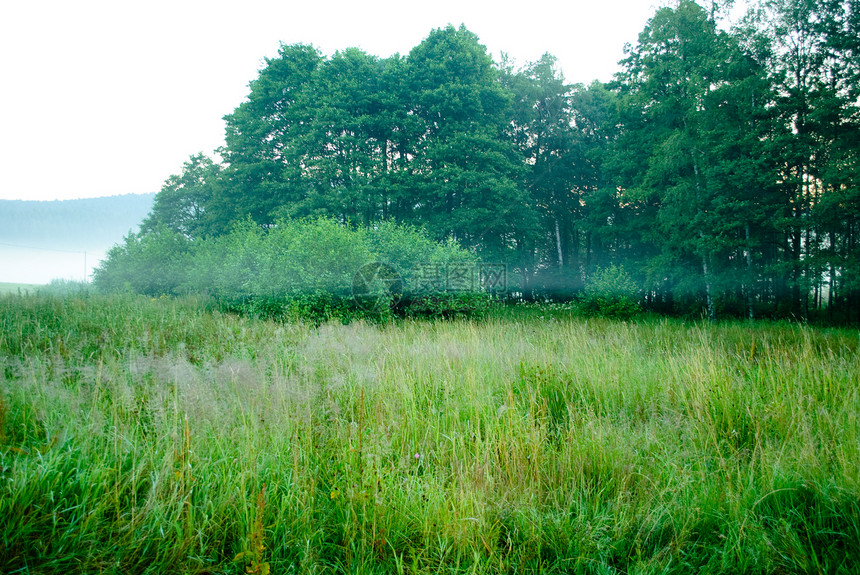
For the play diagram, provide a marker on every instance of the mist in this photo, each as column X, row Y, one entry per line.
column 28, row 265
column 66, row 240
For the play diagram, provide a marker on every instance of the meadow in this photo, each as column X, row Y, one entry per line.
column 142, row 435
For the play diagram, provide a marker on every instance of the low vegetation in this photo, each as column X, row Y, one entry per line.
column 162, row 435
column 312, row 270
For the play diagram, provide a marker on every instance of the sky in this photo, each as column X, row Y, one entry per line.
column 101, row 98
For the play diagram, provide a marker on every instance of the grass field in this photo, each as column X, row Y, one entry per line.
column 160, row 436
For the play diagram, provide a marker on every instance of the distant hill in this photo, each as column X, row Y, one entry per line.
column 86, row 224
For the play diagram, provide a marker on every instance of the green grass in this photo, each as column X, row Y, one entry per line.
column 161, row 436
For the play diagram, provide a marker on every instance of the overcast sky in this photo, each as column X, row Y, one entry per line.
column 111, row 97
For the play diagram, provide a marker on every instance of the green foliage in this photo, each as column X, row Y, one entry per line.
column 302, row 269
column 406, row 247
column 183, row 202
column 719, row 167
column 65, row 288
column 611, row 292
column 447, row 305
column 420, row 139
column 154, row 263
column 312, row 307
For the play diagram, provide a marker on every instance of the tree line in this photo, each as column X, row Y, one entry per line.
column 719, row 168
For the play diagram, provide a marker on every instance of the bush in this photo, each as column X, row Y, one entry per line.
column 154, row 263
column 610, row 292
column 447, row 305
column 297, row 270
column 62, row 287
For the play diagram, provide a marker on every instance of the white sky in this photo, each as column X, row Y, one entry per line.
column 111, row 97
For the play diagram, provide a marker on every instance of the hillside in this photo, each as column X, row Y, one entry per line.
column 93, row 223
column 41, row 241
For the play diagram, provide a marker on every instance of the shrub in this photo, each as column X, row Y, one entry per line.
column 446, row 305
column 299, row 269
column 63, row 287
column 610, row 292
column 154, row 263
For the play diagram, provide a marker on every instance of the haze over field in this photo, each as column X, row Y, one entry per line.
column 42, row 241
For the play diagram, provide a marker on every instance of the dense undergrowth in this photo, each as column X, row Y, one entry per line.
column 308, row 270
column 164, row 435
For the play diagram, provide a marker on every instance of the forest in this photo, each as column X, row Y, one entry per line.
column 718, row 170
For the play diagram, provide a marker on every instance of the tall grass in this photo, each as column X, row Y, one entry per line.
column 161, row 436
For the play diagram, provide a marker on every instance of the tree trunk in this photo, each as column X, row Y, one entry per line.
column 709, row 296
column 750, row 295
column 712, row 312
column 558, row 244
